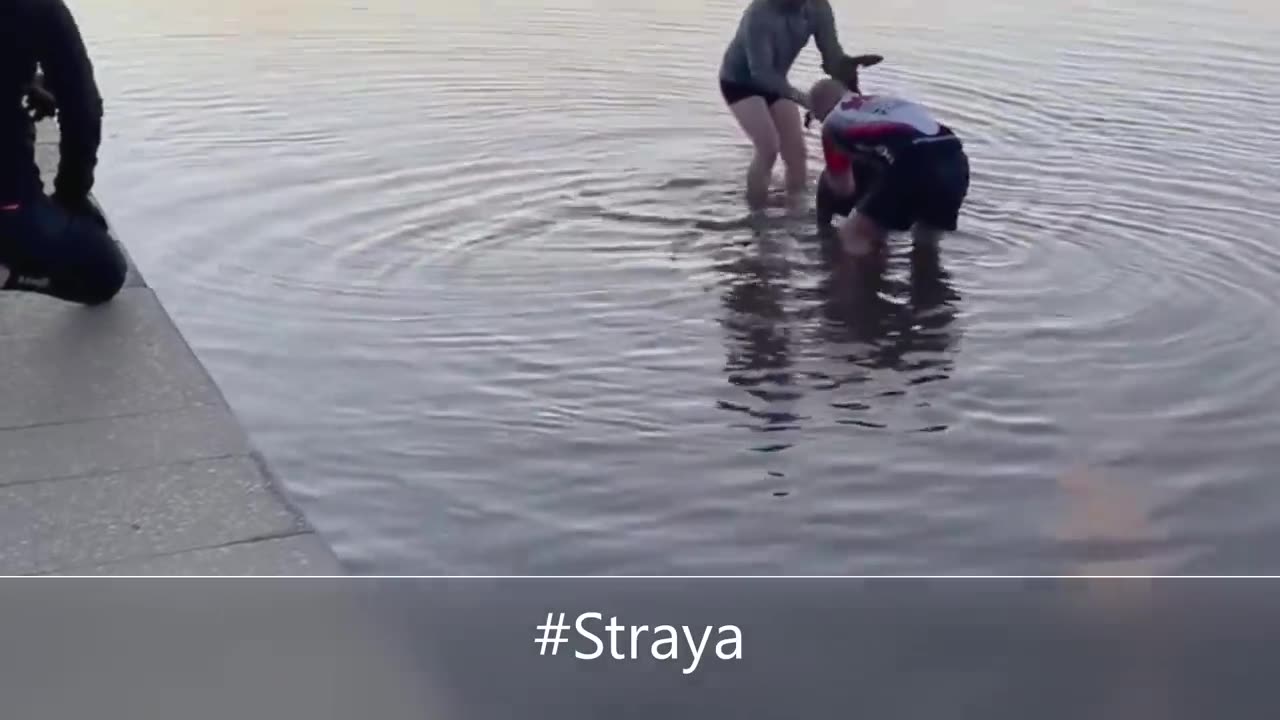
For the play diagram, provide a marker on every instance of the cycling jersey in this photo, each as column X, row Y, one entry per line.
column 878, row 127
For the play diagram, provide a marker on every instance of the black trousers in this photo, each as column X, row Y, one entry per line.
column 50, row 251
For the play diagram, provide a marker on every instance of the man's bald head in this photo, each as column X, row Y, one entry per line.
column 825, row 95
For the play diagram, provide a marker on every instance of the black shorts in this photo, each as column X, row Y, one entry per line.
column 926, row 184
column 733, row 92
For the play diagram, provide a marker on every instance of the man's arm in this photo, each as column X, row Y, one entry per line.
column 839, row 169
column 68, row 74
column 837, row 188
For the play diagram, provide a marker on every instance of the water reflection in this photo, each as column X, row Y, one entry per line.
column 794, row 314
column 886, row 330
column 897, row 314
column 759, row 334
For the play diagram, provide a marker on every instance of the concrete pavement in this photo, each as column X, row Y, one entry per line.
column 118, row 453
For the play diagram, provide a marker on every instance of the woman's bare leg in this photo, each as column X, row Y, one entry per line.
column 795, row 154
column 757, row 122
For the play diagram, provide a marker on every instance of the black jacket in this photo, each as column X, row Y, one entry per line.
column 43, row 33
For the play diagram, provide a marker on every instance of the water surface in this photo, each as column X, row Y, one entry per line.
column 478, row 278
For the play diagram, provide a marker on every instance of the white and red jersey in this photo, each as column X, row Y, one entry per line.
column 877, row 126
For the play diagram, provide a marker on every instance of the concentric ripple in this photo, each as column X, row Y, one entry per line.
column 479, row 279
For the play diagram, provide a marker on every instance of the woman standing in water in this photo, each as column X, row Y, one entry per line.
column 753, row 81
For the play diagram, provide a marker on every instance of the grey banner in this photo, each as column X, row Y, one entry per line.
column 678, row 648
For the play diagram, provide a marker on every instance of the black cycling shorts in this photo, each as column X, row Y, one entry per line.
column 926, row 184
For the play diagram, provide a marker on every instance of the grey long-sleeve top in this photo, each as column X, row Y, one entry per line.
column 770, row 37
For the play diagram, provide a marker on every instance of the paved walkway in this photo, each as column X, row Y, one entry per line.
column 119, row 455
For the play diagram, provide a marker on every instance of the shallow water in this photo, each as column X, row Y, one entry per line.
column 479, row 281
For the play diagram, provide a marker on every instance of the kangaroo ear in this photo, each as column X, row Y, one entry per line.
column 867, row 60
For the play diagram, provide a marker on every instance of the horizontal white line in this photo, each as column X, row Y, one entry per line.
column 670, row 577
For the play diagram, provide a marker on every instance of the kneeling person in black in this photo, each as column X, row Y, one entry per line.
column 889, row 160
column 59, row 245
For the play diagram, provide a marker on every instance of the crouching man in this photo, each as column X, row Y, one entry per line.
column 890, row 167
